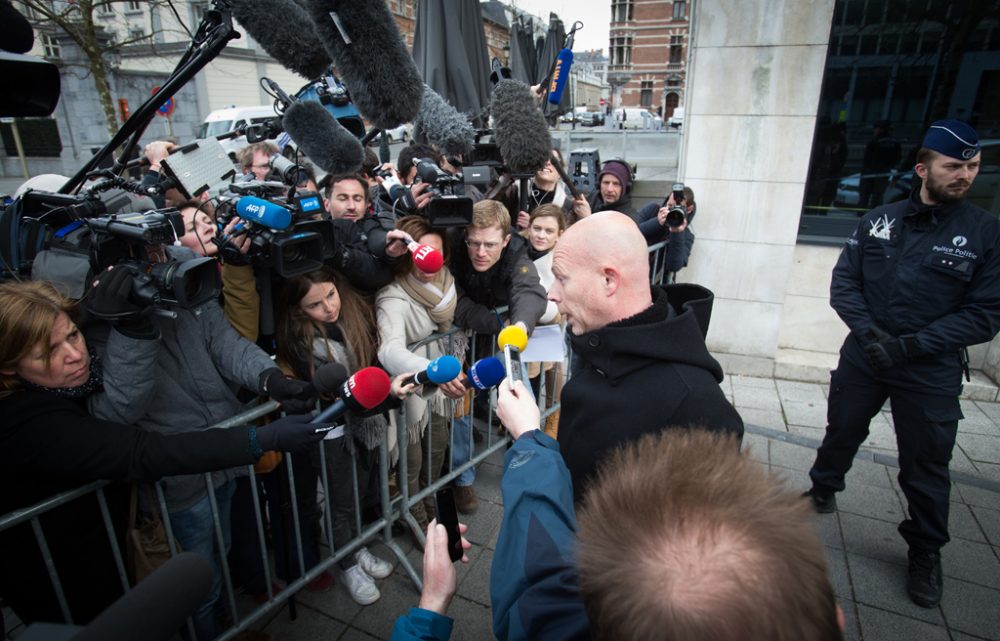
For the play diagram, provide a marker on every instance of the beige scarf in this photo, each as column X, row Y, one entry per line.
column 437, row 296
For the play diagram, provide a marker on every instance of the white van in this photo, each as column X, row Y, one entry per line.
column 222, row 120
column 636, row 118
column 677, row 119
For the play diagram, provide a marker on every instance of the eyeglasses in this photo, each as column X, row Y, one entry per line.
column 264, row 166
column 475, row 244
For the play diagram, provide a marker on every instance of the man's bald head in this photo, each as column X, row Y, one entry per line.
column 602, row 272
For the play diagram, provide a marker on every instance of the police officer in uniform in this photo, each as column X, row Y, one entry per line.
column 917, row 282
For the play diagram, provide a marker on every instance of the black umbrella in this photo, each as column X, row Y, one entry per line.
column 523, row 59
column 449, row 49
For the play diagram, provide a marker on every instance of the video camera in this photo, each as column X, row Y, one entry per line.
column 446, row 208
column 68, row 239
column 283, row 236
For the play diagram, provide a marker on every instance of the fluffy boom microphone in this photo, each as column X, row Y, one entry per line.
column 334, row 149
column 363, row 40
column 286, row 31
column 442, row 125
column 519, row 127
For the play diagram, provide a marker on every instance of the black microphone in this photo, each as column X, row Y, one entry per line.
column 442, row 125
column 519, row 127
column 156, row 608
column 286, row 31
column 328, row 378
column 365, row 44
column 324, row 140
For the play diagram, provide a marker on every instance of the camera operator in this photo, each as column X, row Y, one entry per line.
column 365, row 248
column 47, row 377
column 255, row 159
column 182, row 371
column 658, row 225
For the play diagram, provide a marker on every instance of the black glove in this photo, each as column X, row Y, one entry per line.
column 281, row 388
column 298, row 406
column 111, row 298
column 289, row 434
column 883, row 350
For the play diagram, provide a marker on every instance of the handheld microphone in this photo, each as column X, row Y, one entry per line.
column 512, row 336
column 442, row 125
column 519, row 127
column 560, row 76
column 262, row 212
column 290, row 39
column 365, row 390
column 324, row 140
column 440, row 370
column 426, row 258
column 156, row 608
column 512, row 340
column 365, row 44
column 486, row 373
column 328, row 378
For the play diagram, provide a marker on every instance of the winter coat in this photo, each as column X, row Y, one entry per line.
column 640, row 375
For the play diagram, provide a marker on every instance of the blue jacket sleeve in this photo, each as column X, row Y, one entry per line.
column 534, row 590
column 422, row 625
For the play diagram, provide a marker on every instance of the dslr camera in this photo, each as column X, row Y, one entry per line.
column 677, row 213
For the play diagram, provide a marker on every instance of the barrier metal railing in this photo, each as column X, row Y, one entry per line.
column 391, row 508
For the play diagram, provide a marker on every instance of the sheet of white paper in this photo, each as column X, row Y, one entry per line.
column 546, row 344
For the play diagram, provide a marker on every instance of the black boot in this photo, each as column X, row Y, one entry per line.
column 822, row 501
column 924, row 583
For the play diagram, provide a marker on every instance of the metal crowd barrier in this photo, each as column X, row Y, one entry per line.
column 392, row 508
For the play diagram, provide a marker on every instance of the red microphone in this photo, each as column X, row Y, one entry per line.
column 363, row 391
column 426, row 258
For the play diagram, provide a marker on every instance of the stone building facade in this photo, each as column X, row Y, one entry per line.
column 649, row 42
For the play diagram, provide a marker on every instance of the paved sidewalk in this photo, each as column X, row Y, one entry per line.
column 867, row 557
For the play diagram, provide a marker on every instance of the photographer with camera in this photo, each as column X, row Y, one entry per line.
column 671, row 223
column 180, row 368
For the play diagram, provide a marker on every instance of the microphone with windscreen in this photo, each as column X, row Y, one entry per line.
column 328, row 378
column 486, row 373
column 365, row 390
column 440, row 370
column 263, row 212
column 512, row 340
column 426, row 258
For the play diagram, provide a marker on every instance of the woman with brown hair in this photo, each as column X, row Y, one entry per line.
column 323, row 319
column 414, row 306
column 47, row 376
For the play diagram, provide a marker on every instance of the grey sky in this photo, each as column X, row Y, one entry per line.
column 595, row 15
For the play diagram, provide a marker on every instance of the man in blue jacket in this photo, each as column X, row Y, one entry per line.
column 917, row 282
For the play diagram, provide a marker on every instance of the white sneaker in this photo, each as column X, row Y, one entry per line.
column 360, row 585
column 373, row 566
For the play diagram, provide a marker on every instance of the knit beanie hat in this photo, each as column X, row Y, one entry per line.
column 617, row 169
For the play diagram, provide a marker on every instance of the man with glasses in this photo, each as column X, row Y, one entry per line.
column 493, row 272
column 255, row 159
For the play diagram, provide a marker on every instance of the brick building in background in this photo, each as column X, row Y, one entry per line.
column 648, row 55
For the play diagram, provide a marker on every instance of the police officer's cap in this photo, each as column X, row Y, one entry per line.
column 952, row 138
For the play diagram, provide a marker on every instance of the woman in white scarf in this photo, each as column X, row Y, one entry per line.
column 411, row 308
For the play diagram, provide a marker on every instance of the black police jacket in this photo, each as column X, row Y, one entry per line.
column 931, row 272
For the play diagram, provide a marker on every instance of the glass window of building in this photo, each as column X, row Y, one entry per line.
column 892, row 68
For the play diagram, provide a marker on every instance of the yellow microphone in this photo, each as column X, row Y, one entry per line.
column 512, row 340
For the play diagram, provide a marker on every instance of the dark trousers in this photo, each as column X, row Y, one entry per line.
column 926, row 424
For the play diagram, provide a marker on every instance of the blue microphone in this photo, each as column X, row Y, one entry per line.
column 440, row 370
column 486, row 373
column 560, row 76
column 262, row 212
